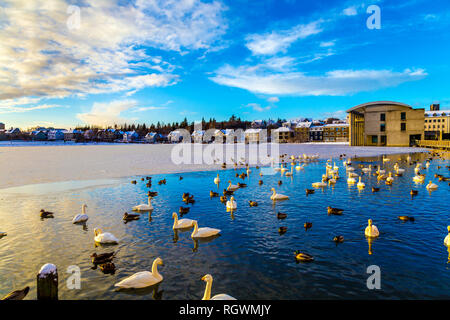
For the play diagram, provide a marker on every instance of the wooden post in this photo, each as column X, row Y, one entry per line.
column 47, row 282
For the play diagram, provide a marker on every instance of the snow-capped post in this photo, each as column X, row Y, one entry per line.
column 47, row 282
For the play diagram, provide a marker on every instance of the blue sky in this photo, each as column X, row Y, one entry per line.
column 71, row 62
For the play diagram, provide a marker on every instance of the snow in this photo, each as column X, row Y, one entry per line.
column 47, row 269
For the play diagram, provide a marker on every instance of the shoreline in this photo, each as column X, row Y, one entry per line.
column 53, row 163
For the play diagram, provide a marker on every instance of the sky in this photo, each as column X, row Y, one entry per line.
column 104, row 62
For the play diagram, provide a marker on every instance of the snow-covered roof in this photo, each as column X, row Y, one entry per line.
column 253, row 131
column 439, row 113
column 336, row 125
column 283, row 129
column 304, row 124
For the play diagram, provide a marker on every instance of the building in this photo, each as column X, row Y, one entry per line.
column 335, row 132
column 385, row 123
column 108, row 135
column 39, row 135
column 153, row 137
column 253, row 135
column 73, row 135
column 437, row 124
column 316, row 133
column 282, row 135
column 130, row 136
column 13, row 133
column 302, row 131
column 57, row 134
column 2, row 126
column 88, row 135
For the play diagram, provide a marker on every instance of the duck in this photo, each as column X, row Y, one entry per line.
column 107, row 267
column 213, row 194
column 82, row 217
column 223, row 199
column 133, row 181
column 3, row 234
column 232, row 187
column 182, row 223
column 253, row 203
column 280, row 182
column 143, row 279
column 282, row 230
column 144, row 207
column 260, row 182
column 104, row 237
column 360, row 184
column 17, row 294
column 277, row 196
column 307, row 225
column 227, row 192
column 207, row 295
column 46, row 214
column 152, row 194
column 184, row 210
column 371, row 230
column 375, row 189
column 338, row 239
column 163, row 181
column 204, row 232
column 281, row 215
column 335, row 211
column 431, row 186
column 129, row 217
column 303, row 256
column 406, row 218
column 414, row 192
column 310, row 191
column 231, row 204
column 189, row 200
column 241, row 185
column 447, row 238
column 102, row 257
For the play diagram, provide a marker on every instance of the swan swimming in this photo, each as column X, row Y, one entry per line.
column 144, row 207
column 217, row 179
column 447, row 238
column 143, row 279
column 104, row 237
column 231, row 204
column 290, row 173
column 182, row 223
column 431, row 186
column 207, row 295
column 371, row 230
column 204, row 232
column 360, row 184
column 278, row 196
column 82, row 217
column 232, row 187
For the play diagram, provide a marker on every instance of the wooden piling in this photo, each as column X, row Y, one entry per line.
column 47, row 282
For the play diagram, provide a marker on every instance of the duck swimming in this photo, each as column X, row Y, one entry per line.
column 207, row 295
column 17, row 294
column 335, row 211
column 184, row 210
column 307, row 225
column 46, row 214
column 303, row 256
column 102, row 257
column 282, row 230
column 338, row 239
column 130, row 217
column 375, row 189
column 281, row 215
column 213, row 194
column 223, row 199
column 107, row 267
column 414, row 192
column 310, row 191
column 406, row 218
column 253, row 203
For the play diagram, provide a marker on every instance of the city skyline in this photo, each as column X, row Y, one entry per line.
column 110, row 62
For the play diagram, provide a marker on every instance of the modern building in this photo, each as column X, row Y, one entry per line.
column 253, row 135
column 316, row 133
column 335, row 132
column 385, row 123
column 437, row 124
column 302, row 131
column 282, row 135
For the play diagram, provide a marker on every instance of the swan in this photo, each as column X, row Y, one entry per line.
column 319, row 184
column 419, row 179
column 360, row 184
column 380, row 172
column 432, row 186
column 144, row 207
column 427, row 164
column 231, row 204
column 371, row 230
column 332, row 180
column 217, row 179
column 82, row 217
column 182, row 223
column 104, row 237
column 232, row 187
column 204, row 232
column 447, row 238
column 386, row 159
column 335, row 167
column 282, row 169
column 369, row 169
column 290, row 173
column 300, row 167
column 277, row 196
column 350, row 169
column 207, row 295
column 389, row 178
column 144, row 278
column 351, row 180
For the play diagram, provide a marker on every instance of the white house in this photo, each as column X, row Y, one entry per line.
column 252, row 135
column 282, row 134
column 57, row 134
column 175, row 136
column 152, row 137
column 130, row 136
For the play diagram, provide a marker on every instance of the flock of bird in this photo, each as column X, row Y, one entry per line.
column 145, row 279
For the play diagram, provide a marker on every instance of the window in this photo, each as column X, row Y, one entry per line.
column 403, row 116
column 382, row 127
column 403, row 126
column 374, row 139
column 382, row 117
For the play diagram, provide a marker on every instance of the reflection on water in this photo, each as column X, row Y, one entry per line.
column 249, row 260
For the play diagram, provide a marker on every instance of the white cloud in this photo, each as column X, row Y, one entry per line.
column 41, row 57
column 279, row 41
column 332, row 83
column 257, row 107
column 15, row 109
column 105, row 114
column 326, row 44
column 350, row 11
column 273, row 99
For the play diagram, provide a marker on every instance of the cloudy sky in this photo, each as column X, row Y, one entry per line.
column 64, row 63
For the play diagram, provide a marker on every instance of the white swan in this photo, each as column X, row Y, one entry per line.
column 360, row 184
column 231, row 204
column 207, row 295
column 144, row 207
column 217, row 179
column 447, row 238
column 350, row 169
column 204, row 232
column 351, row 180
column 366, row 170
column 321, row 184
column 386, row 159
column 300, row 167
column 104, row 237
column 82, row 217
column 182, row 223
column 431, row 186
column 381, row 172
column 232, row 187
column 143, row 279
column 419, row 179
column 290, row 173
column 278, row 196
column 371, row 230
